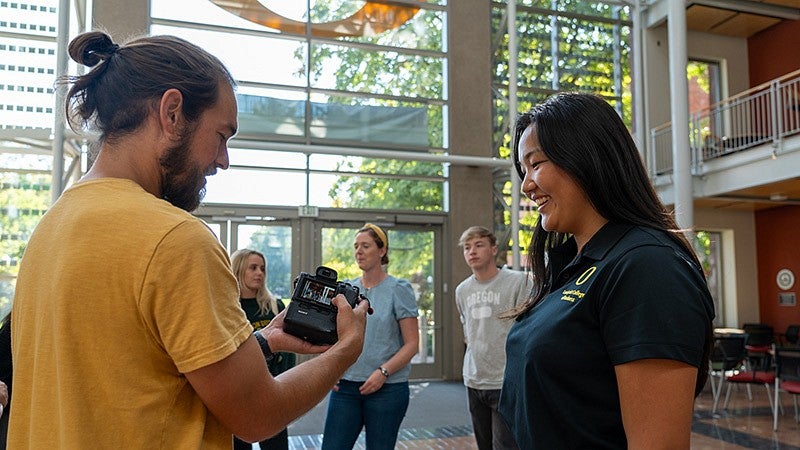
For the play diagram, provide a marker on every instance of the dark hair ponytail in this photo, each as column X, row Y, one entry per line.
column 125, row 81
column 91, row 48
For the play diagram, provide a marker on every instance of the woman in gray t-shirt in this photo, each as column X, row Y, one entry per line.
column 373, row 394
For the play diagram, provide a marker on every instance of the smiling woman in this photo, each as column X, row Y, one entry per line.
column 610, row 268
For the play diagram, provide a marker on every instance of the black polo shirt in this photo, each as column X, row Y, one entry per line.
column 633, row 293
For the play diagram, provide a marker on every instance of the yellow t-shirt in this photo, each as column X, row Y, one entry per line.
column 119, row 294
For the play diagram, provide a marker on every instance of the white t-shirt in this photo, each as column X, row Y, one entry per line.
column 479, row 304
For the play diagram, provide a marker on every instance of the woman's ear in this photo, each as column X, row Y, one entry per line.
column 170, row 115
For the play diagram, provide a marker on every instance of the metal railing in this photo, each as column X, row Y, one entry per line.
column 764, row 114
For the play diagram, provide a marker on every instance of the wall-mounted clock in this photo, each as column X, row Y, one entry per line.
column 785, row 279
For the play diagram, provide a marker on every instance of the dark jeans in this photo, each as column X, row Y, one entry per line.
column 491, row 431
column 380, row 413
column 278, row 442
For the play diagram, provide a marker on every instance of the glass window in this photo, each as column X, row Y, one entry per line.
column 703, row 78
column 424, row 31
column 708, row 246
column 250, row 58
column 704, row 91
column 564, row 45
column 260, row 187
column 381, row 89
column 377, row 72
column 203, row 12
column 266, row 158
column 270, row 112
column 372, row 121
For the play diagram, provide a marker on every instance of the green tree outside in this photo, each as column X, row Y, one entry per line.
column 24, row 198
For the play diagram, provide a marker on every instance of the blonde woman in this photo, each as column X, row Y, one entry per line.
column 260, row 306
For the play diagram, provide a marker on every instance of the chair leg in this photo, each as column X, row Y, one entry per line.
column 775, row 410
column 717, row 394
column 727, row 397
column 772, row 407
column 713, row 384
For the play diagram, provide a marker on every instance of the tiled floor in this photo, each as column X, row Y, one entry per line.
column 438, row 419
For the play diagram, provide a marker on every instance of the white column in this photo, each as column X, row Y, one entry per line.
column 512, row 116
column 57, row 185
column 639, row 129
column 679, row 115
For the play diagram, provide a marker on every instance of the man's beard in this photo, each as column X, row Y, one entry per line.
column 182, row 183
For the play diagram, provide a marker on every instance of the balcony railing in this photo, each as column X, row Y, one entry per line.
column 764, row 114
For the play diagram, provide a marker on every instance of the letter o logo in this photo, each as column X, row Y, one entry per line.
column 585, row 275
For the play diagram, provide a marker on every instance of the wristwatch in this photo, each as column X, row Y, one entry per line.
column 384, row 371
column 262, row 342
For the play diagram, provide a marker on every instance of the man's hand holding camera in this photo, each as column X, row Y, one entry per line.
column 350, row 324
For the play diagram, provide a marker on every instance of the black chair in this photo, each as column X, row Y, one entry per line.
column 787, row 371
column 759, row 342
column 729, row 354
column 790, row 336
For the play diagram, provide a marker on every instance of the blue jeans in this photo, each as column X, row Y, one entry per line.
column 491, row 431
column 379, row 413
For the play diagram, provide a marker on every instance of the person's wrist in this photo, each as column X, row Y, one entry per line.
column 383, row 371
column 264, row 345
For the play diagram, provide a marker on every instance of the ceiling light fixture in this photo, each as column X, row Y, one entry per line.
column 372, row 19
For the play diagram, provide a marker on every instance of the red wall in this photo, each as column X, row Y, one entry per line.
column 778, row 247
column 774, row 52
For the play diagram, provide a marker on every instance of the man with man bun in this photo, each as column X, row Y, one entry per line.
column 127, row 330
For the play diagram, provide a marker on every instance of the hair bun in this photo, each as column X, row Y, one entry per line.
column 91, row 48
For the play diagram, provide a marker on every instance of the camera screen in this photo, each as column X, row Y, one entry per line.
column 317, row 292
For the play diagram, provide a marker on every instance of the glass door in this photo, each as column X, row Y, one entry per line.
column 273, row 240
column 413, row 255
column 293, row 243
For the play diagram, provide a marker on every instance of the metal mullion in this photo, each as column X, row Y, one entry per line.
column 384, row 145
column 338, row 92
column 431, row 155
column 274, row 86
column 391, row 176
column 27, row 171
column 241, row 138
column 29, row 37
column 570, row 15
column 501, row 31
column 378, row 47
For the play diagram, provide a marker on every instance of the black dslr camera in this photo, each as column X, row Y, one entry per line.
column 311, row 316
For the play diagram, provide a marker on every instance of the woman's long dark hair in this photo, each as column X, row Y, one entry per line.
column 584, row 136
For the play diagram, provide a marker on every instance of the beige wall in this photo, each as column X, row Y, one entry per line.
column 740, row 286
column 469, row 38
column 122, row 19
column 740, row 273
column 731, row 52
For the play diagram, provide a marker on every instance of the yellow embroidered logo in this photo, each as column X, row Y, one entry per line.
column 585, row 275
column 569, row 295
